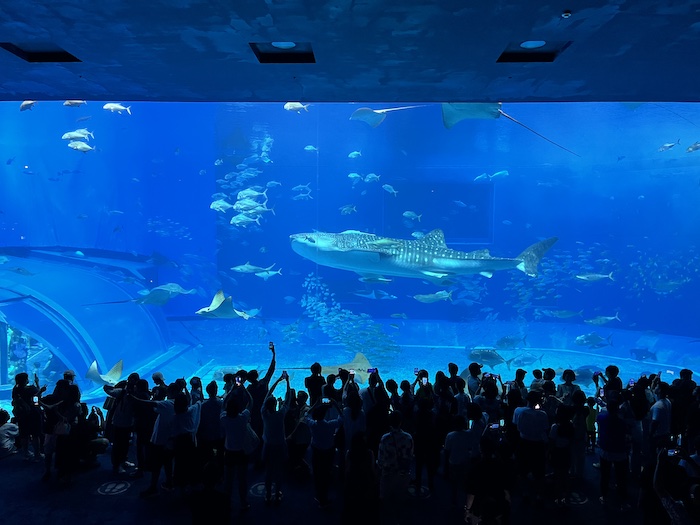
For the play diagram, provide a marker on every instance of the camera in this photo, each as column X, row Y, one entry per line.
column 415, row 371
column 271, row 346
column 537, row 406
column 238, row 380
column 371, row 370
column 352, row 372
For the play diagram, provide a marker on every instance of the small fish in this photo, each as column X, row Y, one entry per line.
column 310, row 148
column 273, row 184
column 80, row 146
column 506, row 222
column 10, row 160
column 296, row 107
column 394, row 326
column 592, row 277
column 693, row 147
column 374, row 279
column 347, row 209
column 602, row 319
column 266, row 274
column 302, row 187
column 412, row 215
column 288, row 299
column 488, row 356
column 74, row 103
column 372, row 177
column 83, row 119
column 482, row 177
column 21, row 271
column 218, row 162
column 593, row 340
column 442, row 295
column 399, row 316
column 510, row 341
column 27, row 104
column 499, row 175
column 115, row 107
column 642, row 354
column 354, row 154
column 460, row 204
column 303, row 196
column 390, row 189
column 669, row 145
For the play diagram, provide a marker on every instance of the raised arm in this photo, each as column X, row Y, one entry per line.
column 273, row 364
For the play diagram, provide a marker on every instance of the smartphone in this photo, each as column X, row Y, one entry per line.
column 271, row 345
column 371, row 370
column 238, row 380
column 494, row 426
column 352, row 372
column 602, row 394
column 285, row 375
column 537, row 407
column 673, row 452
column 631, row 383
column 325, row 400
column 424, row 381
column 415, row 371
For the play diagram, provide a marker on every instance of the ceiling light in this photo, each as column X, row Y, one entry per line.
column 283, row 45
column 533, row 44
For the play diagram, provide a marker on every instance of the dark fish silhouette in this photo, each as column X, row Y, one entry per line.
column 643, row 354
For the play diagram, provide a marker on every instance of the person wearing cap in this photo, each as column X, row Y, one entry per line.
column 473, row 381
column 69, row 376
column 160, row 390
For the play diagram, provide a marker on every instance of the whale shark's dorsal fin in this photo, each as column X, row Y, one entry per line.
column 434, row 238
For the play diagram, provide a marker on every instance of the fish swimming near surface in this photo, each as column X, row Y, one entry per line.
column 584, row 374
column 115, row 107
column 643, row 354
column 111, row 378
column 488, row 356
column 296, row 107
column 424, row 258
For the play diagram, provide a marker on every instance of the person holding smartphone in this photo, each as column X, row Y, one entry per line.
column 275, row 440
column 322, row 446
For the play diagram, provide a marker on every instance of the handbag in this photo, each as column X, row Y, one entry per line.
column 62, row 428
column 250, row 440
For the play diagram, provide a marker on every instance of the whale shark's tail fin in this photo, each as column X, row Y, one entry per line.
column 531, row 256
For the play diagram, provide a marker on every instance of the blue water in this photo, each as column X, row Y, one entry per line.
column 618, row 205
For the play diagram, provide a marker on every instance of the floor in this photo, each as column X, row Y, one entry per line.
column 96, row 496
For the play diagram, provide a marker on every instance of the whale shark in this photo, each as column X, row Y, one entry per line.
column 426, row 258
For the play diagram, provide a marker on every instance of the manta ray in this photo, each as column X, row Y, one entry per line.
column 221, row 307
column 111, row 378
column 427, row 258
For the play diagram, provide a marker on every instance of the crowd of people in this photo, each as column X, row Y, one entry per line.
column 377, row 441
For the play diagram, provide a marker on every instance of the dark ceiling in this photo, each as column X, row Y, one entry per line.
column 380, row 51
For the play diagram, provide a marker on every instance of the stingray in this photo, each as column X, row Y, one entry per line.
column 221, row 307
column 452, row 113
column 111, row 378
column 374, row 117
column 158, row 296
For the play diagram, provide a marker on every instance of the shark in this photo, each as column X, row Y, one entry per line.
column 426, row 258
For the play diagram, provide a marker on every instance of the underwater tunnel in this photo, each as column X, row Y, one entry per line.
column 48, row 296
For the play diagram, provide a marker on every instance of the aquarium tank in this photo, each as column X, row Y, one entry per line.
column 184, row 237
